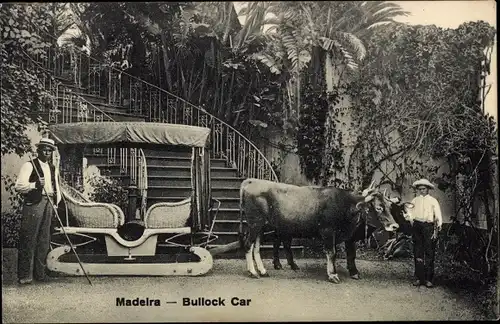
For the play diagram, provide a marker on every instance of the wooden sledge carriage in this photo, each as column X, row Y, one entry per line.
column 167, row 239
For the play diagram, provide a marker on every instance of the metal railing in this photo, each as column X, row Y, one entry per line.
column 142, row 181
column 143, row 99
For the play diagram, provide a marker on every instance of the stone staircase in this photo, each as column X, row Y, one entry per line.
column 69, row 97
column 79, row 98
column 169, row 179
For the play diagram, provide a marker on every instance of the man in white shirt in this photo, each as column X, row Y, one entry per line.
column 38, row 181
column 426, row 220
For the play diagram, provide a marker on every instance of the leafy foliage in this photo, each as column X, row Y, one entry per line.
column 186, row 49
column 108, row 190
column 310, row 136
column 22, row 87
column 417, row 94
column 11, row 220
column 11, row 225
column 418, row 98
column 459, row 278
column 312, row 133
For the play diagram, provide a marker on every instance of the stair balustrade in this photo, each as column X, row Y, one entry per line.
column 143, row 99
column 55, row 72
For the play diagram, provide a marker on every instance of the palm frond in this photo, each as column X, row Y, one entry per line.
column 271, row 21
column 355, row 43
column 269, row 61
column 244, row 11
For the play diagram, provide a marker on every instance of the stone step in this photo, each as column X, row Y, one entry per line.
column 73, row 118
column 229, row 203
column 167, row 191
column 155, row 160
column 173, row 171
column 94, row 99
column 109, row 110
column 73, row 104
column 175, row 181
column 228, row 182
column 227, row 214
column 225, row 225
column 169, row 151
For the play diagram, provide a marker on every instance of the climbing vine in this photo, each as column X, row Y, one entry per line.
column 23, row 93
column 312, row 133
column 334, row 149
column 418, row 99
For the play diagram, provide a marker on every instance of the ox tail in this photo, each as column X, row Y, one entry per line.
column 241, row 233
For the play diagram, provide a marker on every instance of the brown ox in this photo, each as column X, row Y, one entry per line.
column 330, row 213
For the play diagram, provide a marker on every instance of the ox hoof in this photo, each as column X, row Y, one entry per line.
column 294, row 267
column 334, row 278
column 278, row 266
column 253, row 275
column 264, row 275
column 355, row 276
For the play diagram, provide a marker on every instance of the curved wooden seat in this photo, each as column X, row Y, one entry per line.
column 91, row 214
column 168, row 214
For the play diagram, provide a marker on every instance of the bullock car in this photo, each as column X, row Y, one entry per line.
column 166, row 239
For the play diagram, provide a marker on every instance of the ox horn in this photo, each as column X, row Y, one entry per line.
column 385, row 196
column 369, row 190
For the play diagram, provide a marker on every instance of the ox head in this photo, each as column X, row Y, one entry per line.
column 400, row 212
column 378, row 208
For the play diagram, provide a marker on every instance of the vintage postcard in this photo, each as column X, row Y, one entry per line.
column 249, row 161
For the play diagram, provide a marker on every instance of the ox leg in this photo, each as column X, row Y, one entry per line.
column 253, row 234
column 350, row 246
column 276, row 251
column 250, row 264
column 287, row 244
column 258, row 259
column 330, row 250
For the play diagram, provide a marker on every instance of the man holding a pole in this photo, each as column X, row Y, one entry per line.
column 38, row 182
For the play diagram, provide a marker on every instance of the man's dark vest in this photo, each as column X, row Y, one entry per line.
column 35, row 195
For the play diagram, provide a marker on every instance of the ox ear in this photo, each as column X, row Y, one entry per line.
column 369, row 198
column 363, row 203
column 394, row 200
column 362, row 206
column 409, row 205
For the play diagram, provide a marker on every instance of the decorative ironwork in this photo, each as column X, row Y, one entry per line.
column 260, row 167
column 53, row 116
column 231, row 150
column 142, row 99
column 171, row 111
column 253, row 155
column 188, row 115
column 133, row 165
column 204, row 120
column 111, row 155
column 82, row 111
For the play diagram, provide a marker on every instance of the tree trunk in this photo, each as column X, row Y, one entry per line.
column 166, row 61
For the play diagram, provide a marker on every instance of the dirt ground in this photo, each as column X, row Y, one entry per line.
column 384, row 293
